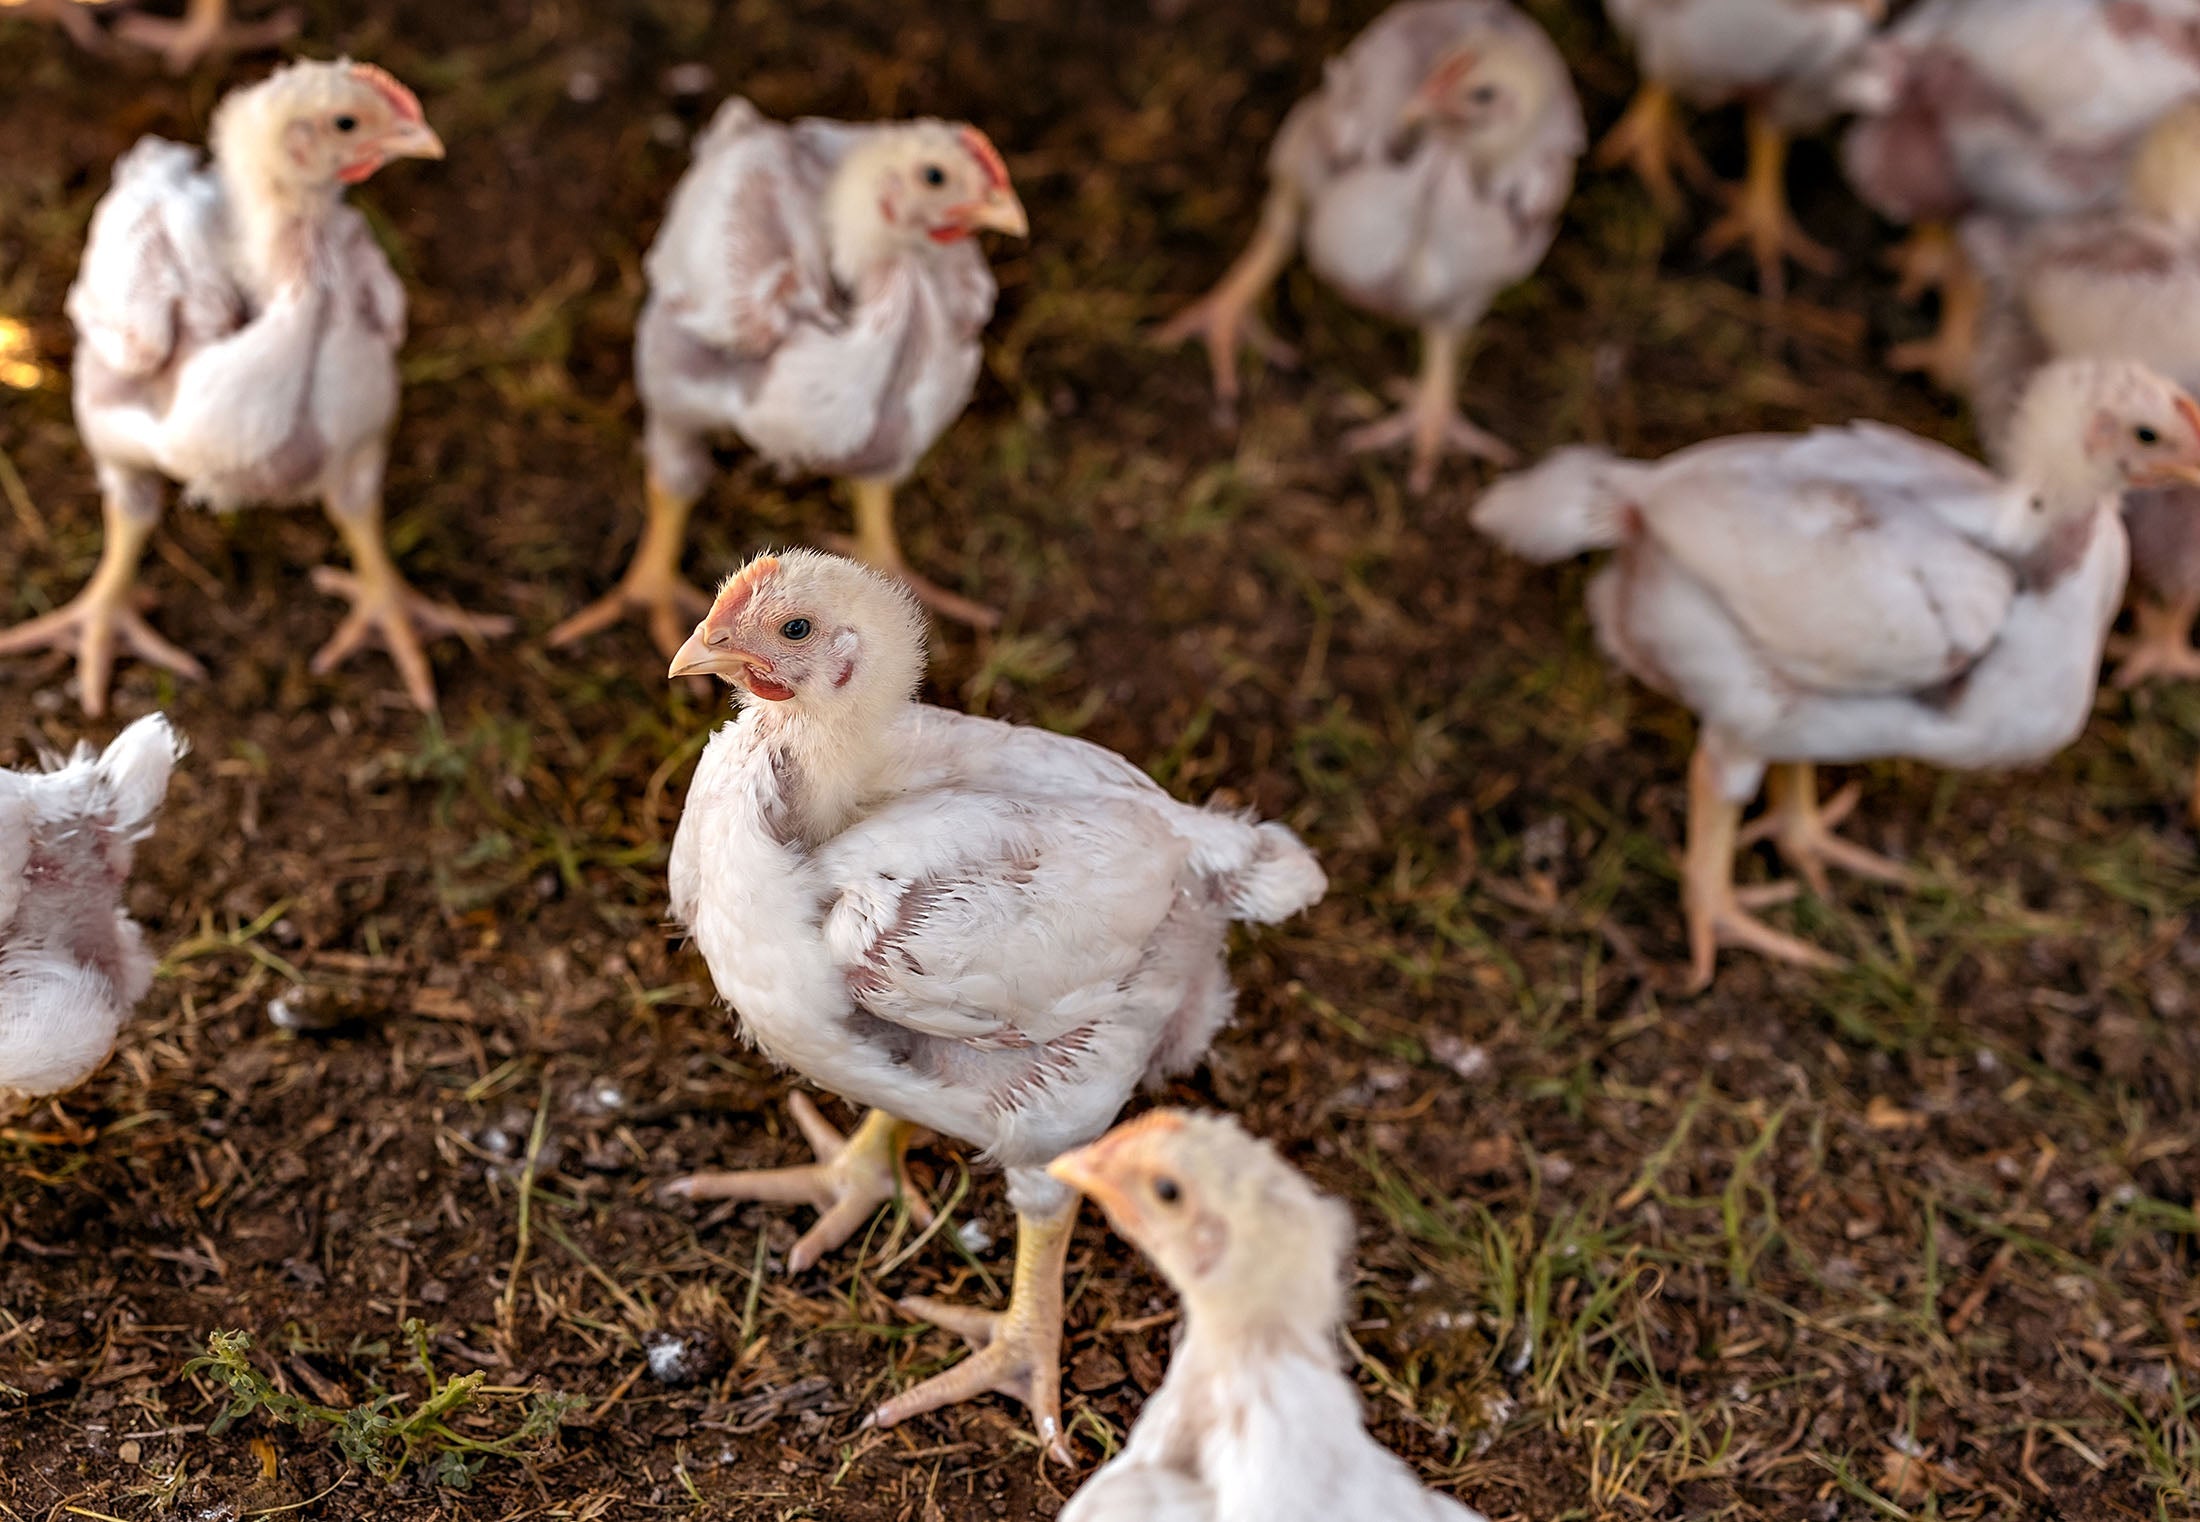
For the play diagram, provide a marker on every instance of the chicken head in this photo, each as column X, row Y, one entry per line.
column 813, row 631
column 1241, row 1234
column 314, row 125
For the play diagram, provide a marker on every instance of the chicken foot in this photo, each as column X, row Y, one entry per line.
column 385, row 604
column 1018, row 1351
column 204, row 28
column 2161, row 643
column 1802, row 831
column 1932, row 259
column 101, row 615
column 1759, row 215
column 1430, row 419
column 652, row 585
column 1717, row 912
column 1225, row 318
column 1650, row 140
column 877, row 546
column 852, row 1177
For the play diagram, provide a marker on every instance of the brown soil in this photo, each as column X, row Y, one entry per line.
column 1912, row 1240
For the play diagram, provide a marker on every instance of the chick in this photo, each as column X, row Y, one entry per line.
column 1424, row 177
column 1256, row 1419
column 237, row 332
column 818, row 290
column 1857, row 593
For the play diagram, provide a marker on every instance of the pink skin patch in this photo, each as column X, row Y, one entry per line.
column 383, row 83
column 2189, row 410
column 733, row 599
column 1449, row 75
column 981, row 148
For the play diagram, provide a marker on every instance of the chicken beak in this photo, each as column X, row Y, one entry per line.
column 1086, row 1170
column 699, row 657
column 1001, row 212
column 2171, row 473
column 412, row 140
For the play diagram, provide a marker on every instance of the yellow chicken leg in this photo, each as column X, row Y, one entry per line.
column 204, row 28
column 1802, row 832
column 652, row 585
column 877, row 546
column 1650, row 140
column 1760, row 217
column 1716, row 911
column 1224, row 318
column 1430, row 420
column 1019, row 1350
column 384, row 604
column 2161, row 643
column 100, row 616
column 852, row 1177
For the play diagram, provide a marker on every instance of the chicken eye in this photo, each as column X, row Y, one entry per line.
column 346, row 123
column 1165, row 1190
column 934, row 175
column 2146, row 436
column 1482, row 95
column 797, row 629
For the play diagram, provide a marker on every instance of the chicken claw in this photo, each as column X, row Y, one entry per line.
column 1018, row 1351
column 652, row 584
column 98, row 616
column 205, row 28
column 1759, row 215
column 2161, row 644
column 1718, row 915
column 1429, row 418
column 385, row 605
column 1224, row 318
column 1802, row 832
column 852, row 1177
column 1649, row 139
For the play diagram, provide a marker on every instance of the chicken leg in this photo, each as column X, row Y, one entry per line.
column 852, row 1177
column 2161, row 643
column 652, row 584
column 1225, row 318
column 1650, row 140
column 1932, row 259
column 101, row 614
column 1430, row 419
column 204, row 28
column 1718, row 913
column 384, row 603
column 1760, row 217
column 877, row 546
column 1803, row 832
column 1019, row 1350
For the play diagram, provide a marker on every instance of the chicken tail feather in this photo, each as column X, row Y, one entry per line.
column 1280, row 878
column 1573, row 502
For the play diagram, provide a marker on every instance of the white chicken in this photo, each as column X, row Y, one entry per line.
column 1255, row 1419
column 1784, row 59
column 1856, row 593
column 72, row 961
column 2015, row 109
column 2117, row 284
column 990, row 931
column 815, row 289
column 237, row 331
column 1425, row 176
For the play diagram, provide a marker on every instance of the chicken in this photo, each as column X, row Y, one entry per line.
column 1424, row 177
column 989, row 931
column 816, row 290
column 2118, row 284
column 237, row 331
column 72, row 961
column 2016, row 109
column 1255, row 1419
column 1783, row 59
column 1856, row 593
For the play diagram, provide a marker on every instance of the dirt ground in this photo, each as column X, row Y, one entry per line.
column 1916, row 1239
